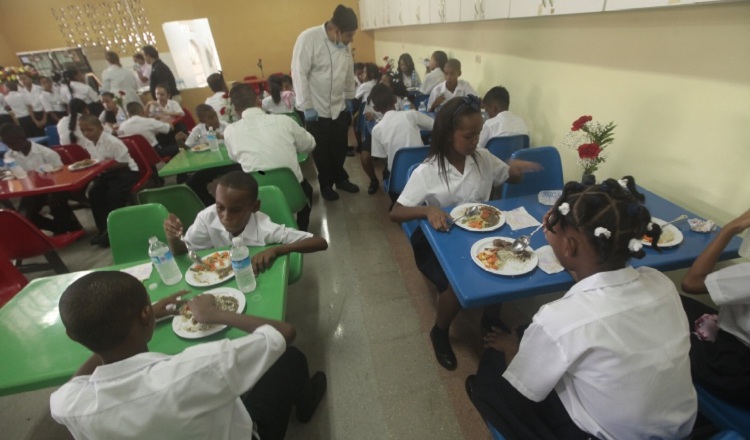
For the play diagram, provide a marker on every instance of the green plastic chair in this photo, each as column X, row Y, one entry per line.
column 274, row 205
column 296, row 118
column 287, row 182
column 180, row 200
column 131, row 227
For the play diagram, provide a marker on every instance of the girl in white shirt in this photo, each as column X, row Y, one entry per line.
column 370, row 78
column 610, row 358
column 436, row 74
column 282, row 97
column 68, row 128
column 76, row 81
column 52, row 102
column 163, row 107
column 407, row 73
column 454, row 172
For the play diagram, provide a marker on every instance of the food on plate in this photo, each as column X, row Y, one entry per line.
column 667, row 236
column 83, row 163
column 217, row 262
column 500, row 253
column 223, row 302
column 200, row 147
column 488, row 217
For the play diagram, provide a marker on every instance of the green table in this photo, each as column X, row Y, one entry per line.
column 36, row 352
column 187, row 161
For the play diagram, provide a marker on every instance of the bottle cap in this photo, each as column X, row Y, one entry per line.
column 237, row 241
column 153, row 240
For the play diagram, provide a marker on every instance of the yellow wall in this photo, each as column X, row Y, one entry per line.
column 676, row 81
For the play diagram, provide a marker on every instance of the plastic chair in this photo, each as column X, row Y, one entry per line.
column 71, row 153
column 273, row 203
column 187, row 119
column 503, row 147
column 296, row 118
column 11, row 280
column 494, row 432
column 722, row 414
column 53, row 137
column 148, row 152
column 144, row 168
column 287, row 182
column 130, row 228
column 728, row 435
column 180, row 200
column 551, row 177
column 20, row 239
column 402, row 160
column 412, row 225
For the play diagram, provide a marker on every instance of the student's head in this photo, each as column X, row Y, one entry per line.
column 105, row 310
column 134, row 108
column 236, row 200
column 405, row 64
column 112, row 57
column 76, row 107
column 216, row 82
column 345, row 24
column 139, row 59
column 599, row 225
column 150, row 54
column 438, row 59
column 25, row 80
column 372, row 72
column 243, row 97
column 207, row 115
column 162, row 93
column 456, row 130
column 46, row 83
column 452, row 72
column 278, row 84
column 74, row 75
column 108, row 101
column 497, row 100
column 91, row 127
column 382, row 98
column 359, row 69
column 13, row 136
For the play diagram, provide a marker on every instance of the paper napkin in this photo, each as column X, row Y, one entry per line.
column 519, row 218
column 142, row 272
column 547, row 260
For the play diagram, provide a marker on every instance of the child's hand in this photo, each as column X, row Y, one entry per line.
column 501, row 341
column 181, row 137
column 204, row 308
column 525, row 166
column 369, row 116
column 263, row 260
column 173, row 226
column 438, row 101
column 438, row 218
column 169, row 305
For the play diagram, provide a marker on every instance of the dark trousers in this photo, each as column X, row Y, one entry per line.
column 331, row 139
column 4, row 119
column 199, row 181
column 285, row 384
column 110, row 191
column 29, row 127
column 63, row 220
column 511, row 413
column 303, row 216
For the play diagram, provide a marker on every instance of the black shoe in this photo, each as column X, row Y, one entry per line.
column 350, row 152
column 373, row 188
column 94, row 241
column 328, row 193
column 443, row 351
column 104, row 241
column 318, row 383
column 347, row 186
column 488, row 322
column 469, row 384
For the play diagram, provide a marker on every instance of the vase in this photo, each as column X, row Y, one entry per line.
column 588, row 179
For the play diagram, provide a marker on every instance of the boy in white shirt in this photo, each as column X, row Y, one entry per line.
column 222, row 389
column 501, row 121
column 149, row 128
column 452, row 87
column 51, row 101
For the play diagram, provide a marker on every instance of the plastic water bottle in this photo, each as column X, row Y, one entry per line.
column 120, row 117
column 745, row 246
column 243, row 269
column 406, row 105
column 13, row 167
column 423, row 106
column 213, row 140
column 163, row 259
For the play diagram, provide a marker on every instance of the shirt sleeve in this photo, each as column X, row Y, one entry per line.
column 195, row 134
column 46, row 103
column 302, row 56
column 91, row 93
column 729, row 286
column 247, row 358
column 423, row 121
column 304, row 142
column 484, row 136
column 433, row 97
column 279, row 234
column 51, row 157
column 414, row 194
column 158, row 126
column 470, row 90
column 500, row 169
column 378, row 148
column 121, row 153
column 228, row 134
column 197, row 236
column 174, row 107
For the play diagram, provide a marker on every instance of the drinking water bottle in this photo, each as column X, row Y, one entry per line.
column 213, row 140
column 13, row 167
column 243, row 269
column 423, row 106
column 406, row 105
column 163, row 259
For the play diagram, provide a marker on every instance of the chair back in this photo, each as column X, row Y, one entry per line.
column 148, row 152
column 144, row 167
column 20, row 239
column 503, row 147
column 284, row 179
column 723, row 414
column 551, row 177
column 130, row 228
column 188, row 120
column 71, row 153
column 53, row 137
column 296, row 118
column 11, row 280
column 402, row 161
column 179, row 200
column 274, row 204
column 410, row 226
column 419, row 99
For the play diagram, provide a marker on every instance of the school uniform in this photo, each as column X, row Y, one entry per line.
column 218, row 101
column 411, row 82
column 397, row 130
column 52, row 103
column 431, row 80
column 19, row 104
column 4, row 115
column 285, row 104
column 116, row 79
column 83, row 92
column 34, row 96
column 199, row 134
column 503, row 124
column 363, row 91
column 146, row 127
column 64, row 133
column 463, row 88
column 119, row 116
column 171, row 106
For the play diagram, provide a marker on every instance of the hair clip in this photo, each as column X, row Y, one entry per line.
column 598, row 232
column 650, row 226
column 635, row 245
column 623, row 183
column 564, row 208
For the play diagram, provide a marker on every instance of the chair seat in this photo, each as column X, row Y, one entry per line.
column 62, row 240
column 723, row 414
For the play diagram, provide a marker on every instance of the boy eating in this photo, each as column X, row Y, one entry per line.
column 149, row 128
column 501, row 121
column 452, row 87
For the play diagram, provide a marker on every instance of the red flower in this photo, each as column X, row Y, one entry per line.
column 225, row 96
column 223, row 111
column 580, row 122
column 589, row 151
column 121, row 93
column 385, row 58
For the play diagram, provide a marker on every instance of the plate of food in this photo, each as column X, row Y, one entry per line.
column 494, row 255
column 82, row 164
column 670, row 235
column 231, row 300
column 200, row 147
column 216, row 269
column 489, row 218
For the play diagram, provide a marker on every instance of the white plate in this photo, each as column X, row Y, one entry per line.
column 180, row 324
column 666, row 241
column 200, row 148
column 204, row 279
column 460, row 210
column 511, row 268
column 77, row 166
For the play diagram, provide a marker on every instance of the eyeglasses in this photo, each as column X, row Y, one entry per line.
column 471, row 101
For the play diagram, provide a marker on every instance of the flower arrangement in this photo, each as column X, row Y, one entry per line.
column 227, row 112
column 12, row 73
column 387, row 68
column 589, row 139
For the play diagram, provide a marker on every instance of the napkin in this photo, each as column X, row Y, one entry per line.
column 519, row 218
column 142, row 272
column 547, row 260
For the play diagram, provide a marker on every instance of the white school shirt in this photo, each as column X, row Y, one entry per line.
column 463, row 88
column 172, row 106
column 503, row 124
column 146, row 127
column 110, row 147
column 398, row 130
column 38, row 156
column 260, row 141
column 615, row 349
column 19, row 103
column 116, row 79
column 207, row 232
column 431, row 80
column 64, row 132
column 411, row 82
column 199, row 133
column 323, row 74
column 3, row 111
column 482, row 171
column 217, row 101
column 191, row 395
column 83, row 91
column 51, row 102
column 145, row 71
column 281, row 108
column 34, row 95
column 729, row 289
column 363, row 91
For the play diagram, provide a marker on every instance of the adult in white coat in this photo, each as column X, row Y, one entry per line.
column 116, row 79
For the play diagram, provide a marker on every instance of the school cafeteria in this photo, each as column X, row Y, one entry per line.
column 329, row 220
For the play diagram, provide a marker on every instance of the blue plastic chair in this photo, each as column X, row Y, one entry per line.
column 728, row 435
column 551, row 177
column 503, row 147
column 412, row 225
column 402, row 160
column 495, row 434
column 722, row 414
column 53, row 137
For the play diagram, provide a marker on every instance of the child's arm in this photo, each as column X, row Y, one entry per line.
column 173, row 228
column 263, row 260
column 304, row 142
column 438, row 218
column 695, row 279
column 506, row 343
column 519, row 167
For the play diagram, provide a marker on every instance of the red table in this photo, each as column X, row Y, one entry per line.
column 44, row 183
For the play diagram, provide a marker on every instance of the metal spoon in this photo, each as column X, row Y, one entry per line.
column 192, row 254
column 523, row 241
column 682, row 217
column 474, row 210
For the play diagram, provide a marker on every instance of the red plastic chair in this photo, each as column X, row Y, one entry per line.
column 144, row 168
column 250, row 78
column 11, row 280
column 20, row 239
column 187, row 119
column 152, row 157
column 71, row 153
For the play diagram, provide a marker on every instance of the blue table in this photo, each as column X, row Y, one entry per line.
column 476, row 287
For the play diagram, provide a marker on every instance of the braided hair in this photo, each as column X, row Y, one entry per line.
column 610, row 214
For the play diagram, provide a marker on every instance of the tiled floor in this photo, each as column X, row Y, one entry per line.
column 363, row 312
